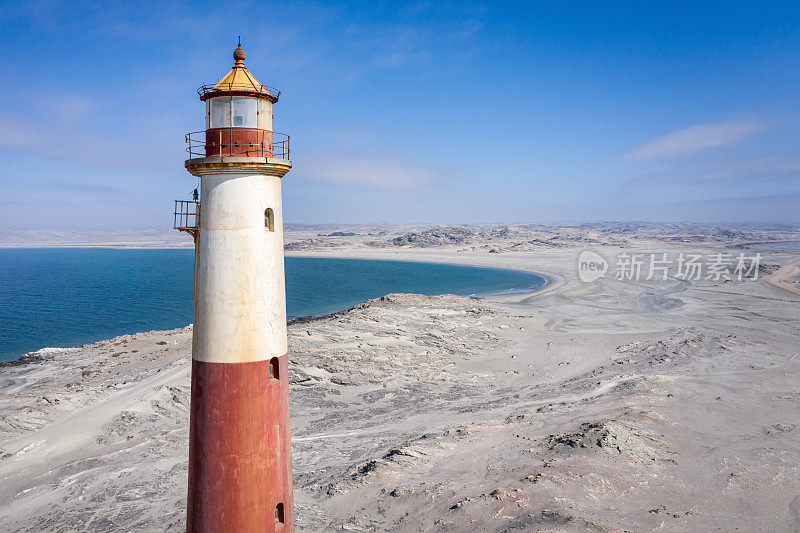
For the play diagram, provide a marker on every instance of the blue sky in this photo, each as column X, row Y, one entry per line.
column 411, row 112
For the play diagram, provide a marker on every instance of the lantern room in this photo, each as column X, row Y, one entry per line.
column 238, row 117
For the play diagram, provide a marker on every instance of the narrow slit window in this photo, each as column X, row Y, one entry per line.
column 269, row 219
column 279, row 517
column 274, row 373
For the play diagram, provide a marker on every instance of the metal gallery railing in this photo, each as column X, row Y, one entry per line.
column 237, row 142
column 228, row 88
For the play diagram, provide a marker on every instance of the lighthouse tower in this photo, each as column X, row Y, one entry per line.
column 240, row 465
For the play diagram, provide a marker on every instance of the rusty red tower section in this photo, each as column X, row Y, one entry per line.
column 240, row 474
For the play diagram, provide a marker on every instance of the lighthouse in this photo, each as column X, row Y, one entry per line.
column 240, row 465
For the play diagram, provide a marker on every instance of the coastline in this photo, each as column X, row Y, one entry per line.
column 34, row 355
column 611, row 405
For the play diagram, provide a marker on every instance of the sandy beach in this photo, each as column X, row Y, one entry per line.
column 615, row 405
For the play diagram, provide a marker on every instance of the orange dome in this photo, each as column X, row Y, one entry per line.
column 239, row 81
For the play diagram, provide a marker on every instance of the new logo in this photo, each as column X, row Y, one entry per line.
column 591, row 266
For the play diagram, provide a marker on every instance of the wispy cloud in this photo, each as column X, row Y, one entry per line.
column 82, row 188
column 773, row 166
column 65, row 140
column 380, row 172
column 695, row 139
column 16, row 134
column 68, row 107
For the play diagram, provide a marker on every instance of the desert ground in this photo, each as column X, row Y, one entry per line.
column 611, row 405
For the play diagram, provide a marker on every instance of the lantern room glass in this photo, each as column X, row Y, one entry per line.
column 219, row 112
column 244, row 112
column 236, row 111
column 264, row 114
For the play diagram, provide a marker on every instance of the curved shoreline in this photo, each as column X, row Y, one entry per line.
column 553, row 280
column 465, row 265
column 36, row 355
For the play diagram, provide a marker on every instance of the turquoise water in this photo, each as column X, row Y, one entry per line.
column 69, row 297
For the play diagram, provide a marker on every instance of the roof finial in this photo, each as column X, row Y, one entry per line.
column 238, row 54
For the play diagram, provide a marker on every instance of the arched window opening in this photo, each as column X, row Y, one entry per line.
column 274, row 373
column 269, row 219
column 279, row 518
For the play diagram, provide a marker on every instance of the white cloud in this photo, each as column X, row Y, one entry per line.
column 386, row 172
column 64, row 140
column 695, row 139
column 68, row 107
column 773, row 166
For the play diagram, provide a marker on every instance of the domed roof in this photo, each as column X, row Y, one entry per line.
column 239, row 81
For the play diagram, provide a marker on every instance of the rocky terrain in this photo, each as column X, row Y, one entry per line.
column 497, row 238
column 494, row 238
column 615, row 405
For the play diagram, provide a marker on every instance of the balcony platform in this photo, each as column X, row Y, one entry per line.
column 187, row 217
column 268, row 165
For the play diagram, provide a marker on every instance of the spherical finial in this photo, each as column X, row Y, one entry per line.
column 238, row 54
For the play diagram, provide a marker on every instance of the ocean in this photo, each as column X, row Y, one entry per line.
column 67, row 297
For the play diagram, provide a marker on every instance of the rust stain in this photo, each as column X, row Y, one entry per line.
column 240, row 465
column 238, row 142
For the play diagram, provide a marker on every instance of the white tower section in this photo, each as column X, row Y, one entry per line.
column 239, row 267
